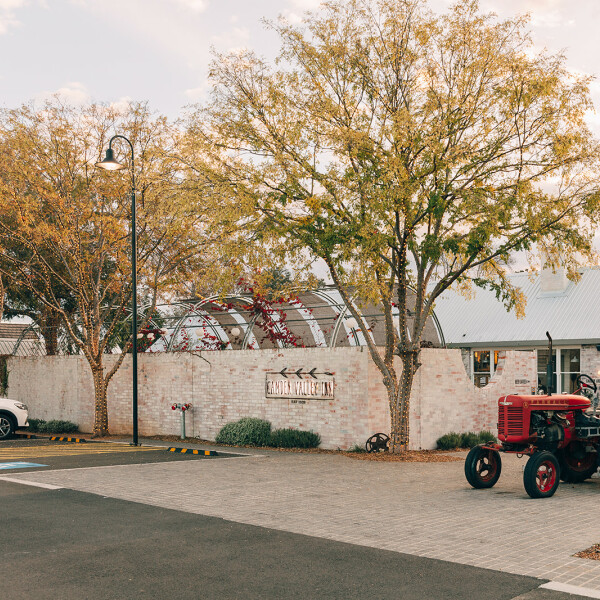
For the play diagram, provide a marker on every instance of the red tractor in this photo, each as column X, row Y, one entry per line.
column 560, row 433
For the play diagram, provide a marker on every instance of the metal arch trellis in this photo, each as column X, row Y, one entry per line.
column 30, row 341
column 194, row 309
column 247, row 324
column 176, row 316
column 191, row 309
column 340, row 308
column 343, row 310
column 37, row 346
column 438, row 328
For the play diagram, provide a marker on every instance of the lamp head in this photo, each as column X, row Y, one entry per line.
column 109, row 163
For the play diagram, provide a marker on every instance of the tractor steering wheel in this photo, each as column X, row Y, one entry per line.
column 585, row 381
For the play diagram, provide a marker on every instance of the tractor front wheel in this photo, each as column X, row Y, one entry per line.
column 576, row 463
column 483, row 467
column 542, row 475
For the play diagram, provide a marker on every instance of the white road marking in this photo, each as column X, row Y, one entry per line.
column 46, row 486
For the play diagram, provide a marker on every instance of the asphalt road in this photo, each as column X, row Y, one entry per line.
column 73, row 545
column 70, row 455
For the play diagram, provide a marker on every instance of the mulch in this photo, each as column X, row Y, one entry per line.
column 592, row 553
column 406, row 456
column 422, row 456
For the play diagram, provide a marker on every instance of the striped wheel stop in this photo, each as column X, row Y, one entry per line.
column 68, row 439
column 190, row 451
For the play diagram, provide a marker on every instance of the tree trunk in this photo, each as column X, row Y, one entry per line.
column 399, row 399
column 100, row 402
column 49, row 328
column 1, row 299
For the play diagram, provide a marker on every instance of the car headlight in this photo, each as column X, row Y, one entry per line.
column 21, row 406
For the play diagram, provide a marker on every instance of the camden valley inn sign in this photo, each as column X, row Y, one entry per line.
column 300, row 384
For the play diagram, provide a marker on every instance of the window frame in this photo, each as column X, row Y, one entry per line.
column 558, row 373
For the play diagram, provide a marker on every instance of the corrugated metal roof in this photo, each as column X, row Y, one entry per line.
column 14, row 330
column 571, row 316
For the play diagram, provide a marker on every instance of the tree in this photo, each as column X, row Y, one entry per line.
column 407, row 150
column 65, row 225
column 19, row 301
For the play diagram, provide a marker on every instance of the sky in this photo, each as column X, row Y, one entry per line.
column 159, row 50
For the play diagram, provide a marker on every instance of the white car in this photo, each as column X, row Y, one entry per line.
column 13, row 415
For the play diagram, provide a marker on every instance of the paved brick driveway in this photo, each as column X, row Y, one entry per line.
column 422, row 509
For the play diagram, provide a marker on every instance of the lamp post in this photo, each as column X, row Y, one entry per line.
column 111, row 164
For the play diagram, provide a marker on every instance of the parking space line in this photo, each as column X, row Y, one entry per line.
column 46, row 486
column 69, row 450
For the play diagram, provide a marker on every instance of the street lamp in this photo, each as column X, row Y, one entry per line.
column 111, row 164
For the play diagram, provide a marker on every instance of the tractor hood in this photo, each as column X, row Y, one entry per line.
column 554, row 402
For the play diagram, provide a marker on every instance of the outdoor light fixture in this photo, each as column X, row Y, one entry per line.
column 111, row 164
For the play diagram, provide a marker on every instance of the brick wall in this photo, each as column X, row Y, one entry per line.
column 590, row 361
column 224, row 386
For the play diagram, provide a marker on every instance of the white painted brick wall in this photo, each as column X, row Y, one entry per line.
column 225, row 386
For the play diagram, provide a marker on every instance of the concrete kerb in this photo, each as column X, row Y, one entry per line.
column 189, row 448
column 193, row 451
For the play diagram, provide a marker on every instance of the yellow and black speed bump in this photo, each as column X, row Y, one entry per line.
column 29, row 436
column 67, row 439
column 190, row 451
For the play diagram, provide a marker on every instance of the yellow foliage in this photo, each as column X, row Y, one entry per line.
column 425, row 148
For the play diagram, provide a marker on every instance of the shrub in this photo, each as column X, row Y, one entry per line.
column 449, row 441
column 486, row 436
column 292, row 438
column 468, row 440
column 55, row 426
column 245, row 432
column 453, row 440
column 35, row 424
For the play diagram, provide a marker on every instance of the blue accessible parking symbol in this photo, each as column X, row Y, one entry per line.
column 19, row 465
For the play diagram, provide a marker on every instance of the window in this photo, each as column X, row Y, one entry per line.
column 485, row 363
column 566, row 369
column 569, row 370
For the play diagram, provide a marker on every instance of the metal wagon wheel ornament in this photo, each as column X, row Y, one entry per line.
column 378, row 442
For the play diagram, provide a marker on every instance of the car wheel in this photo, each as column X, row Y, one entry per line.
column 7, row 427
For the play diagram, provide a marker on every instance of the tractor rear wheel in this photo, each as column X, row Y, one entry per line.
column 483, row 467
column 576, row 463
column 542, row 475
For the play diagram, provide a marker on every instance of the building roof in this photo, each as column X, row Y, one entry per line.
column 571, row 317
column 13, row 331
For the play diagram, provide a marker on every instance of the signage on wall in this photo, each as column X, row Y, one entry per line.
column 300, row 384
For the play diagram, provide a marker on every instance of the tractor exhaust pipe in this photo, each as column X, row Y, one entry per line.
column 549, row 367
